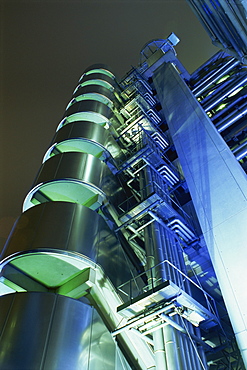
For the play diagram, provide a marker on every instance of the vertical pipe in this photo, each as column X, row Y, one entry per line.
column 155, row 254
column 162, row 240
column 160, row 245
column 179, row 262
column 192, row 347
column 170, row 348
column 187, row 354
column 150, row 256
column 192, row 354
column 183, row 363
column 174, row 261
column 159, row 350
column 200, row 349
column 153, row 247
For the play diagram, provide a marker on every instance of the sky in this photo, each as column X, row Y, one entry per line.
column 45, row 47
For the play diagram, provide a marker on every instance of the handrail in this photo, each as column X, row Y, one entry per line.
column 153, row 282
column 165, row 196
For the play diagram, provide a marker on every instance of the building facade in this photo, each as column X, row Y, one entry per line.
column 129, row 253
column 225, row 23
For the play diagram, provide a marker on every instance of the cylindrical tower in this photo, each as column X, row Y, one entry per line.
column 62, row 304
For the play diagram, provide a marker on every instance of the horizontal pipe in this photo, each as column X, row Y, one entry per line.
column 227, row 123
column 215, row 76
column 241, row 151
column 180, row 225
column 232, row 104
column 233, row 86
column 211, row 74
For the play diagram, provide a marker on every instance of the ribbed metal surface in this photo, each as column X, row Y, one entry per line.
column 97, row 65
column 46, row 331
column 90, row 131
column 97, row 76
column 71, row 177
column 89, row 106
column 94, row 89
column 83, row 167
column 78, row 166
column 65, row 227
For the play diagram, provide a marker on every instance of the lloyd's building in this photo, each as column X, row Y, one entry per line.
column 131, row 250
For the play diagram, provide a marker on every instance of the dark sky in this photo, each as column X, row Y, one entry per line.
column 46, row 45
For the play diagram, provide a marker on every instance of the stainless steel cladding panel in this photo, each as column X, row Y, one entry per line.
column 96, row 66
column 89, row 106
column 55, row 225
column 31, row 337
column 90, row 131
column 94, row 89
column 78, row 166
column 83, row 167
column 51, row 332
column 84, row 129
column 98, row 76
column 62, row 227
